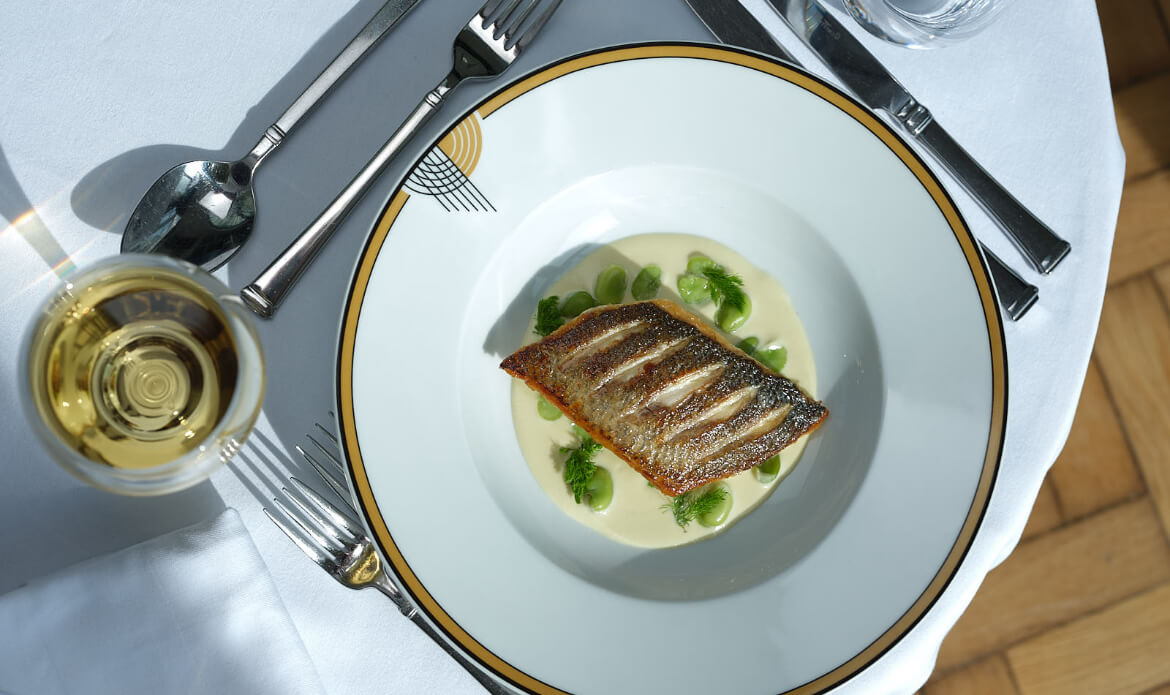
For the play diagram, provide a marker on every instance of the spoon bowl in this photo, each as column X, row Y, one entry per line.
column 200, row 211
column 204, row 211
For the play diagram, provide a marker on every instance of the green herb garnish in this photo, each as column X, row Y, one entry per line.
column 689, row 506
column 548, row 315
column 726, row 288
column 773, row 358
column 579, row 466
column 694, row 289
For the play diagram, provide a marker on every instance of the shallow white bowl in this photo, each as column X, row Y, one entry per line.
column 849, row 551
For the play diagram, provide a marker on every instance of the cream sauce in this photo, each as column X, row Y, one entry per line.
column 636, row 515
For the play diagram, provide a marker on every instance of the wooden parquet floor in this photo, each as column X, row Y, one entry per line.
column 1083, row 605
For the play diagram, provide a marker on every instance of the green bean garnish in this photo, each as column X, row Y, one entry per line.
column 696, row 265
column 730, row 317
column 547, row 410
column 610, row 287
column 599, row 489
column 577, row 302
column 749, row 344
column 646, row 283
column 767, row 471
column 773, row 358
column 694, row 289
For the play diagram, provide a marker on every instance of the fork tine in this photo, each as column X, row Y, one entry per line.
column 328, row 452
column 489, row 8
column 325, row 475
column 325, row 431
column 501, row 16
column 335, row 515
column 322, row 529
column 514, row 24
column 308, row 545
column 530, row 33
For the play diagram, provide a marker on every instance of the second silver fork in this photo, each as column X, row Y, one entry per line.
column 334, row 540
column 490, row 42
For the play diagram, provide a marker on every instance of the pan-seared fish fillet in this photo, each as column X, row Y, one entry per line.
column 666, row 393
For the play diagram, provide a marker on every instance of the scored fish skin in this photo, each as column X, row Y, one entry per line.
column 612, row 369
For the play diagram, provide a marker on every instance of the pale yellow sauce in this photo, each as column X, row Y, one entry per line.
column 636, row 516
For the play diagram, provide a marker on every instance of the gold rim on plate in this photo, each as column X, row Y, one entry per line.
column 460, row 142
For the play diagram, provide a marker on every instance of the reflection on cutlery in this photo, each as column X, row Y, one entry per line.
column 1014, row 294
column 491, row 41
column 731, row 23
column 336, row 541
column 878, row 89
column 202, row 211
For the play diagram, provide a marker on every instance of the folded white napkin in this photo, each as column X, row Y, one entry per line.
column 192, row 611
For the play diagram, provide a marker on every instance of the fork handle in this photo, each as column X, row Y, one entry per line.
column 476, row 672
column 382, row 583
column 265, row 294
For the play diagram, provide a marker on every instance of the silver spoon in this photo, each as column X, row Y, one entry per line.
column 203, row 211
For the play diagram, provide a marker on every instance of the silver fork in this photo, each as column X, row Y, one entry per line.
column 339, row 545
column 490, row 42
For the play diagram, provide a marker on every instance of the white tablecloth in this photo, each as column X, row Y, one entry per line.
column 100, row 98
column 191, row 611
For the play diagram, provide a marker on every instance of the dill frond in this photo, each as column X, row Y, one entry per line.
column 726, row 288
column 579, row 466
column 691, row 505
column 548, row 315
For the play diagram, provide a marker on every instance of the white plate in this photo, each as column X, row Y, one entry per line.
column 849, row 551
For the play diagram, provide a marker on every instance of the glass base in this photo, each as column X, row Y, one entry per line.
column 923, row 23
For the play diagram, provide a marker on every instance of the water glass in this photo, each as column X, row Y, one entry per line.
column 924, row 23
column 144, row 374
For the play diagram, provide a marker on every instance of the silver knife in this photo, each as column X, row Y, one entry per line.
column 877, row 89
column 731, row 23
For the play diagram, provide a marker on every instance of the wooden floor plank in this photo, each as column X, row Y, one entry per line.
column 1162, row 275
column 990, row 675
column 1123, row 650
column 1136, row 45
column 1142, row 241
column 1133, row 348
column 1096, row 469
column 1143, row 112
column 1106, row 635
column 1046, row 514
column 1059, row 576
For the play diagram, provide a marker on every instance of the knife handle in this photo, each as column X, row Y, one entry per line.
column 1039, row 245
column 1015, row 295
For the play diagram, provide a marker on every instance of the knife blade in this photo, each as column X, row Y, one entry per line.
column 857, row 68
column 732, row 24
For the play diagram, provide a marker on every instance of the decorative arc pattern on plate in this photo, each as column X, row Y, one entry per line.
column 443, row 173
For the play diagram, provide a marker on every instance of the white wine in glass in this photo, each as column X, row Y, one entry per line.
column 144, row 373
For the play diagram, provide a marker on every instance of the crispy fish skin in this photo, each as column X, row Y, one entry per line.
column 666, row 393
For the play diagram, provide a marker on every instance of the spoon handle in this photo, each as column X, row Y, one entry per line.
column 268, row 290
column 378, row 26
